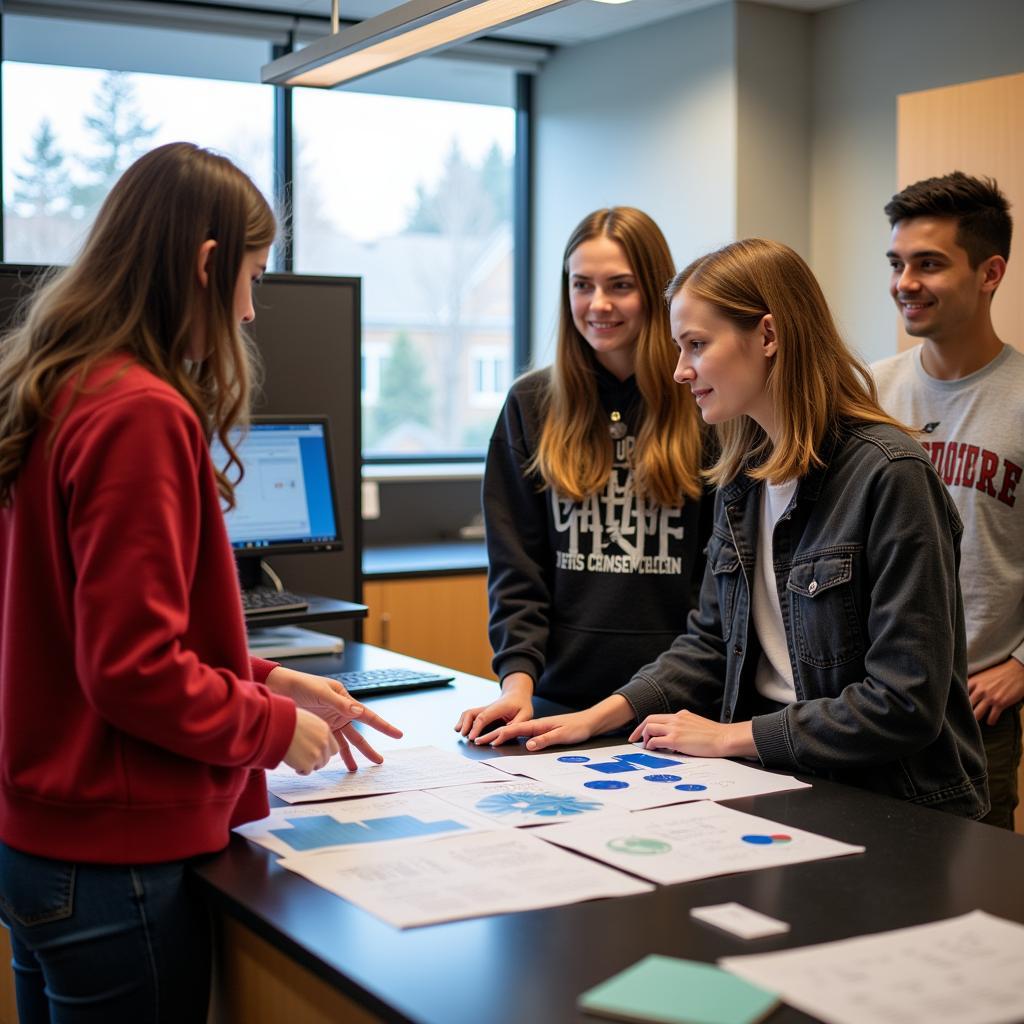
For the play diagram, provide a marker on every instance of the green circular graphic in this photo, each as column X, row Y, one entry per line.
column 638, row 845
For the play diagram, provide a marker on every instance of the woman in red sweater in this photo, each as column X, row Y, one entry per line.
column 133, row 724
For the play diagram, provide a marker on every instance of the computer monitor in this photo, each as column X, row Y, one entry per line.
column 285, row 502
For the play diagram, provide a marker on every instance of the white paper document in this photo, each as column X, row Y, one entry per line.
column 966, row 970
column 701, row 840
column 402, row 770
column 523, row 802
column 739, row 920
column 638, row 778
column 365, row 824
column 468, row 876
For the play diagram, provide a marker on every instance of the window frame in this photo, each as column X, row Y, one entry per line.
column 283, row 142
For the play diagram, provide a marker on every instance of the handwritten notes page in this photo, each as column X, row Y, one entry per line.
column 965, row 970
column 700, row 840
column 402, row 770
column 636, row 778
column 467, row 876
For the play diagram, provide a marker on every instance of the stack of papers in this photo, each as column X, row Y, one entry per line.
column 432, row 836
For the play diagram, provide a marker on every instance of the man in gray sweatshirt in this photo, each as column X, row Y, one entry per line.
column 964, row 389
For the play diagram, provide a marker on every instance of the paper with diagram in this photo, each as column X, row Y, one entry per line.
column 691, row 841
column 636, row 778
column 466, row 876
column 366, row 824
column 524, row 802
column 402, row 770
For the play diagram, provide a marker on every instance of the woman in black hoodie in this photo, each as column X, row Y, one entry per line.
column 593, row 494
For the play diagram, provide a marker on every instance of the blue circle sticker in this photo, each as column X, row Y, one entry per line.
column 692, row 787
column 574, row 759
column 663, row 778
column 606, row 784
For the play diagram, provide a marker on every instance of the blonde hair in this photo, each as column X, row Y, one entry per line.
column 134, row 290
column 574, row 456
column 814, row 380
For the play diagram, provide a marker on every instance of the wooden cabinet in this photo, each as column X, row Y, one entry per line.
column 442, row 619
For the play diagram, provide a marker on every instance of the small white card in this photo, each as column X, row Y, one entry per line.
column 739, row 920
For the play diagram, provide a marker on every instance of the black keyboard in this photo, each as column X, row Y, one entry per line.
column 267, row 601
column 388, row 680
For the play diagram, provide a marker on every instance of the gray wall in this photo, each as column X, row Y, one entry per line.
column 642, row 119
column 773, row 141
column 865, row 55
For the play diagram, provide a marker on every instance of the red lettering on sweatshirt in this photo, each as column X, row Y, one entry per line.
column 957, row 463
column 1011, row 477
column 972, row 457
column 989, row 465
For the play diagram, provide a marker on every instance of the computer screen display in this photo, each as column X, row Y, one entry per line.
column 285, row 501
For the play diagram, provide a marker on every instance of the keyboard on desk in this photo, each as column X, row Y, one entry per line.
column 367, row 682
column 267, row 601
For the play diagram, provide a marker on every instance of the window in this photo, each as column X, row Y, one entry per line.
column 70, row 132
column 489, row 376
column 404, row 180
column 373, row 356
column 414, row 196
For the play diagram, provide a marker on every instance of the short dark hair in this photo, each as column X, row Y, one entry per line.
column 982, row 213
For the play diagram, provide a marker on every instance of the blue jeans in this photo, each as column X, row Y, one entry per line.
column 99, row 944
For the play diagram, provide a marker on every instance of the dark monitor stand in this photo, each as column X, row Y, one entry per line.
column 250, row 571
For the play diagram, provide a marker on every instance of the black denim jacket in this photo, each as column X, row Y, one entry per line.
column 866, row 563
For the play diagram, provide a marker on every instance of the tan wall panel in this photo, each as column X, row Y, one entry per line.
column 978, row 128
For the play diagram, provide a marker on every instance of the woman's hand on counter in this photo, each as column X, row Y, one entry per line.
column 513, row 707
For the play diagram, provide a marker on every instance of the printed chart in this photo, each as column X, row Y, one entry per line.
column 368, row 823
column 699, row 840
column 402, row 771
column 524, row 802
column 463, row 876
column 637, row 779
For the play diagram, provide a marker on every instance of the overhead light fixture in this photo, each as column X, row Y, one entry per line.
column 412, row 29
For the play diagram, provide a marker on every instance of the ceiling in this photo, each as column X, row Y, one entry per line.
column 580, row 22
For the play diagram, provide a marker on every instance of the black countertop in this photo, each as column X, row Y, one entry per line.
column 921, row 865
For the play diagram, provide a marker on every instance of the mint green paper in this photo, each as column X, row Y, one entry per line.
column 666, row 990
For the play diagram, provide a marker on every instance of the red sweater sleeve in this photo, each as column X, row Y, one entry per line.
column 261, row 668
column 137, row 482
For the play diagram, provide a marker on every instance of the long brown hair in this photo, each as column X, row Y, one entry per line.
column 574, row 456
column 813, row 379
column 134, row 290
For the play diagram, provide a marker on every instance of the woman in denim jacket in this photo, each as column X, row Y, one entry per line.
column 829, row 638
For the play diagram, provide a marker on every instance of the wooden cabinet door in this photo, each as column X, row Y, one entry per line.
column 442, row 619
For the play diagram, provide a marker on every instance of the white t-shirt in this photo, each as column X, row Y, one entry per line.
column 973, row 429
column 774, row 677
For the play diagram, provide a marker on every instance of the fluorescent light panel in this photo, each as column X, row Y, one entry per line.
column 413, row 29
